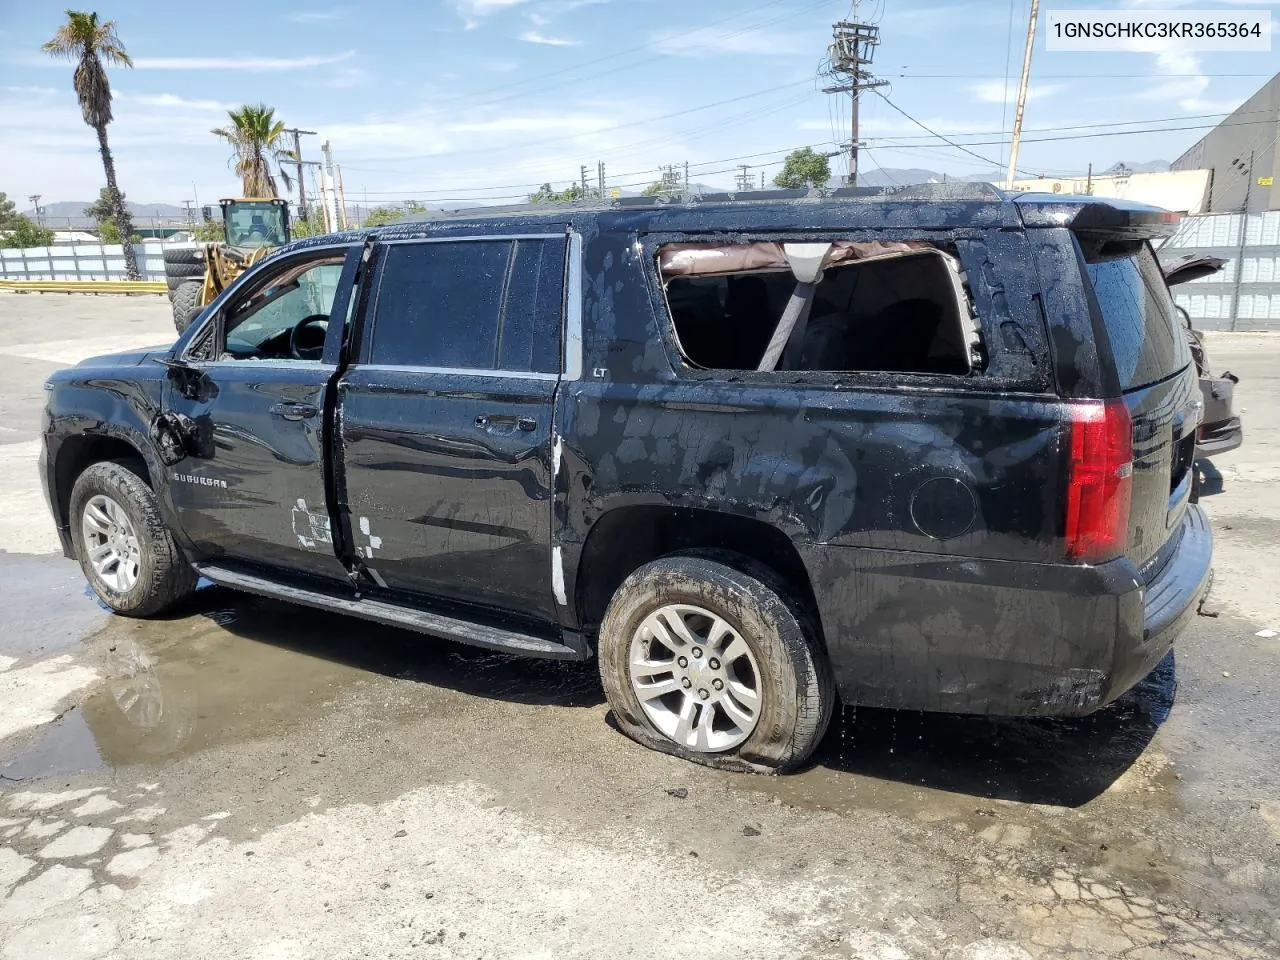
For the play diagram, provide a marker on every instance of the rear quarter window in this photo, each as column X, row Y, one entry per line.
column 1137, row 310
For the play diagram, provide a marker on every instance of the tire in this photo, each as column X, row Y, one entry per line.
column 186, row 303
column 175, row 273
column 163, row 576
column 181, row 255
column 792, row 677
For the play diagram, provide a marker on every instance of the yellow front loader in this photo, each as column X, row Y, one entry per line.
column 252, row 228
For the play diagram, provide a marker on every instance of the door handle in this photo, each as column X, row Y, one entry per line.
column 527, row 424
column 294, row 411
column 485, row 421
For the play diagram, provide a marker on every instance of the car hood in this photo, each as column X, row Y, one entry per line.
column 1192, row 266
column 126, row 358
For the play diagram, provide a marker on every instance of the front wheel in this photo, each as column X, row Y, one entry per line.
column 708, row 661
column 127, row 554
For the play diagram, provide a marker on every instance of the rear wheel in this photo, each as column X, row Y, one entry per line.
column 186, row 303
column 127, row 554
column 709, row 661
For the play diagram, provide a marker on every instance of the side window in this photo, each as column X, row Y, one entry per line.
column 470, row 305
column 893, row 306
column 286, row 316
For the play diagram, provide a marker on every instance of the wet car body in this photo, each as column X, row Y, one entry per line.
column 1220, row 428
column 918, row 521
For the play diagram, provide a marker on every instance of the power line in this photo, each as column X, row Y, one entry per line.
column 1094, row 126
column 612, row 59
column 935, row 133
column 1090, row 136
column 617, row 126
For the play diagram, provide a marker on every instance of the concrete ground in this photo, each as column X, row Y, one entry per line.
column 248, row 779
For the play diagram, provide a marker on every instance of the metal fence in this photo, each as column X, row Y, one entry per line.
column 83, row 261
column 1245, row 294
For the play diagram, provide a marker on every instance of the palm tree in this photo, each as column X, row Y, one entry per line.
column 257, row 138
column 89, row 42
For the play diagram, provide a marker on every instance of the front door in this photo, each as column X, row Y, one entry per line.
column 250, row 406
column 445, row 421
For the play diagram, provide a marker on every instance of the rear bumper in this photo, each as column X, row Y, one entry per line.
column 1169, row 602
column 919, row 632
column 1220, row 429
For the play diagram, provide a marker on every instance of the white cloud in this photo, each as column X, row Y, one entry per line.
column 172, row 100
column 473, row 11
column 533, row 36
column 708, row 41
column 33, row 91
column 995, row 91
column 316, row 16
column 240, row 63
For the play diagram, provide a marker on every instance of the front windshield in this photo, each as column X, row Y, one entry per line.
column 253, row 224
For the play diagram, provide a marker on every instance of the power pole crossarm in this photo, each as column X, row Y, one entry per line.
column 853, row 47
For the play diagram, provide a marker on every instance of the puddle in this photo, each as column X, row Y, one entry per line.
column 66, row 746
column 44, row 611
column 235, row 668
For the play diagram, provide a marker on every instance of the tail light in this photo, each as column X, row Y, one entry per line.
column 1099, row 481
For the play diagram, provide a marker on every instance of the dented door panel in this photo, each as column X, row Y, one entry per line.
column 250, row 483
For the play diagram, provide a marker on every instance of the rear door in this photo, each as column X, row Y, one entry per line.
column 1158, row 383
column 445, row 420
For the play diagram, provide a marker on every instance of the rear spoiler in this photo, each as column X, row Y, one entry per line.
column 1118, row 219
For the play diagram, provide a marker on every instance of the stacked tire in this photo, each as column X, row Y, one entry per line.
column 184, row 275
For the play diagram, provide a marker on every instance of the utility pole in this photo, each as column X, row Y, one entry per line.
column 600, row 177
column 582, row 172
column 1022, row 95
column 191, row 212
column 35, row 204
column 686, row 176
column 853, row 47
column 1088, row 184
column 745, row 180
column 330, row 194
column 342, row 200
column 1244, row 235
column 297, row 160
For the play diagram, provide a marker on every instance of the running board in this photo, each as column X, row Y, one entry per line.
column 393, row 615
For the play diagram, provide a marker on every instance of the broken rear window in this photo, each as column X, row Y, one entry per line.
column 875, row 306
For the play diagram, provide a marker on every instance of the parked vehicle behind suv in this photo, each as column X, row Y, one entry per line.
column 1220, row 428
column 926, row 449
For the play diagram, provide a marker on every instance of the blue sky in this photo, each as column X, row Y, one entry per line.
column 482, row 99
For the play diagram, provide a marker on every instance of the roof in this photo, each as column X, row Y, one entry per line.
column 941, row 206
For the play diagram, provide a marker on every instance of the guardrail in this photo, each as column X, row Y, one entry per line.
column 84, row 286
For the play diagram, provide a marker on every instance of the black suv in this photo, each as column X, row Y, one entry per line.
column 925, row 449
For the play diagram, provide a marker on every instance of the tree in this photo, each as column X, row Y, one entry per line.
column 804, row 168
column 18, row 232
column 103, row 208
column 89, row 42
column 257, row 138
column 546, row 194
column 108, row 232
column 8, row 211
column 380, row 215
column 655, row 189
column 210, row 231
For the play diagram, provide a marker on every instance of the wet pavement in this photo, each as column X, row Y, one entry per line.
column 247, row 778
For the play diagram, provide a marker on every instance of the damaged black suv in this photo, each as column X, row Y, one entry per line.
column 927, row 449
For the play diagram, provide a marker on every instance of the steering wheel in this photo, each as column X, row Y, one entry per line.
column 299, row 349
